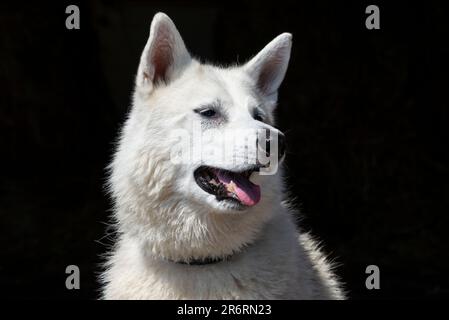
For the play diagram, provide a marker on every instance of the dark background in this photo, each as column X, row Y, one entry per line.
column 365, row 113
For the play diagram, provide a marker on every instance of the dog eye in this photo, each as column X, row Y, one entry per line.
column 258, row 116
column 207, row 113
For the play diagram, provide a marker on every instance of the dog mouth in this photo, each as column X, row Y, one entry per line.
column 228, row 185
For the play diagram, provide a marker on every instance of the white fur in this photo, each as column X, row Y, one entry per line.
column 163, row 216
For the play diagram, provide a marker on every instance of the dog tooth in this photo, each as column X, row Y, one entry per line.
column 231, row 186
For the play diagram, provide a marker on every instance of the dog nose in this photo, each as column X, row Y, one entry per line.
column 265, row 142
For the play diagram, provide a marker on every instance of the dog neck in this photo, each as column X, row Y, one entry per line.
column 203, row 261
column 181, row 233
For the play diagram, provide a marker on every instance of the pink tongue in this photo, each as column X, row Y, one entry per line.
column 247, row 192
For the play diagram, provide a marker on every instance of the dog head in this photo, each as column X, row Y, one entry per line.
column 200, row 139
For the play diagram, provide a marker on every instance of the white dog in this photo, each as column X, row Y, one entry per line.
column 209, row 228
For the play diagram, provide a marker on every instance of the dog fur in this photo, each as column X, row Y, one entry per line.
column 161, row 214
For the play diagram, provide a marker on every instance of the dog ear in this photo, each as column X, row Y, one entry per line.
column 165, row 54
column 269, row 66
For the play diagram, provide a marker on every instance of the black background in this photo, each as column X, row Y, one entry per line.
column 364, row 111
